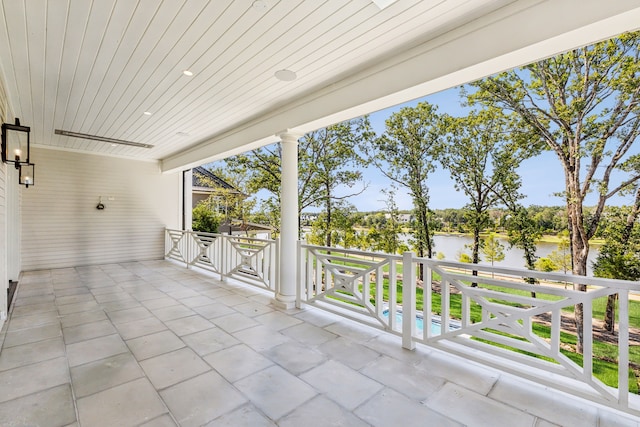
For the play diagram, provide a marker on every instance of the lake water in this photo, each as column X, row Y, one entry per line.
column 452, row 245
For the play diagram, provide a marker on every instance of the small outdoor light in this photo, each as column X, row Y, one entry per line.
column 27, row 173
column 15, row 143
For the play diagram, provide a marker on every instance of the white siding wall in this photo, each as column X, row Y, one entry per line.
column 61, row 226
column 4, row 245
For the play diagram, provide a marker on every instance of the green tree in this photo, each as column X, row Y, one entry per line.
column 619, row 257
column 561, row 256
column 475, row 159
column 584, row 106
column 332, row 162
column 405, row 154
column 492, row 249
column 389, row 234
column 545, row 264
column 204, row 219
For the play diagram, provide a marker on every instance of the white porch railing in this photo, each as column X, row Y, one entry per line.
column 496, row 317
column 251, row 260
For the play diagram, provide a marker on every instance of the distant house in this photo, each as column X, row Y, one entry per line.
column 207, row 186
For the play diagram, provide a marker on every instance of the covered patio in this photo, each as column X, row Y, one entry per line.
column 124, row 98
column 152, row 343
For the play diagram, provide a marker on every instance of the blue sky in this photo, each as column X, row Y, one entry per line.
column 542, row 176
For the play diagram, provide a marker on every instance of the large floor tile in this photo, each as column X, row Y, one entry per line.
column 295, row 357
column 189, row 325
column 31, row 321
column 237, row 362
column 172, row 312
column 252, row 309
column 35, row 334
column 196, row 301
column 49, row 408
column 33, row 378
column 234, row 322
column 246, row 415
column 201, row 399
column 551, row 405
column 82, row 318
column 479, row 410
column 138, row 328
column 160, row 302
column 27, row 310
column 261, row 338
column 170, row 368
column 404, row 378
column 154, row 344
column 321, row 412
column 87, row 331
column 162, row 421
column 95, row 349
column 214, row 310
column 13, row 357
column 128, row 404
column 277, row 320
column 267, row 389
column 78, row 307
column 129, row 315
column 341, row 384
column 209, row 341
column 104, row 373
column 391, row 408
column 309, row 334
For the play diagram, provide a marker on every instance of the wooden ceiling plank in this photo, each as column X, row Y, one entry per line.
column 134, row 69
column 186, row 45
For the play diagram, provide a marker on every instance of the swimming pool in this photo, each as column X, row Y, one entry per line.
column 436, row 326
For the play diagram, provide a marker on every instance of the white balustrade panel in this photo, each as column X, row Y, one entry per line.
column 517, row 320
column 248, row 259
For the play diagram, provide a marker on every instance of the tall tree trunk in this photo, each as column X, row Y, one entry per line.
column 610, row 314
column 328, row 236
column 580, row 252
column 475, row 252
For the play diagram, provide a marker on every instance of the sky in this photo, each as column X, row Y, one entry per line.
column 542, row 176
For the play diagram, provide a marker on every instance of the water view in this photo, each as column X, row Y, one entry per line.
column 451, row 245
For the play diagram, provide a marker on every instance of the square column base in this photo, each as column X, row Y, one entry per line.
column 283, row 302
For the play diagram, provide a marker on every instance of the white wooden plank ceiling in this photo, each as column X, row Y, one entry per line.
column 96, row 66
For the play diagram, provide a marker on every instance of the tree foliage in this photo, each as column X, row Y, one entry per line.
column 204, row 219
column 405, row 154
column 584, row 106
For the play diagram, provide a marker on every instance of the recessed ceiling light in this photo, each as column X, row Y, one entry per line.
column 382, row 4
column 187, row 73
column 147, row 113
column 285, row 75
column 260, row 4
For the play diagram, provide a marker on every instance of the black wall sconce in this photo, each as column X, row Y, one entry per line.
column 16, row 146
column 27, row 173
column 15, row 143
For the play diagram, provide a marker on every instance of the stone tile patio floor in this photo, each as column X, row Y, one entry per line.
column 154, row 344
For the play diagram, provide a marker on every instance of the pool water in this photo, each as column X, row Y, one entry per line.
column 435, row 324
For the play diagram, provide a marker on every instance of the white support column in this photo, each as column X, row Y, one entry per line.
column 187, row 198
column 286, row 288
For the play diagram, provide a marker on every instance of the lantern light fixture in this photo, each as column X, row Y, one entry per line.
column 15, row 143
column 27, row 174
